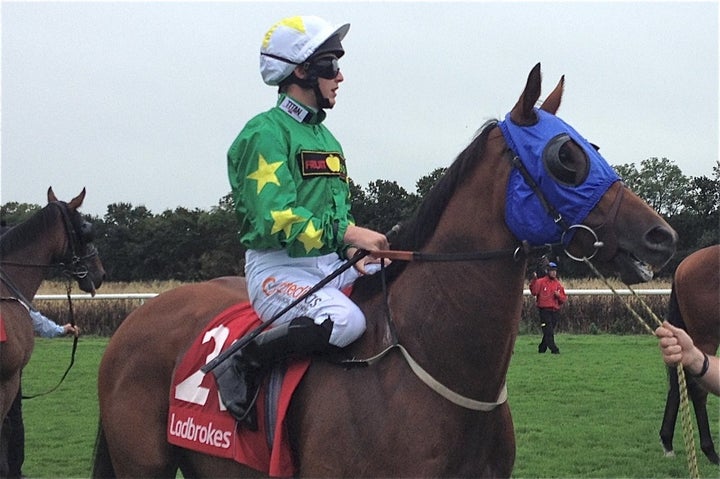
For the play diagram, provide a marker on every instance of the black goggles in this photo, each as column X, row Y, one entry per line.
column 327, row 67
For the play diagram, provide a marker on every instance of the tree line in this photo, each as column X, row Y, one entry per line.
column 183, row 244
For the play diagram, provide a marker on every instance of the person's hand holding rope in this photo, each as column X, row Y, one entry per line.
column 677, row 347
column 69, row 329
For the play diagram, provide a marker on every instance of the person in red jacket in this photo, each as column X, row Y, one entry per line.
column 550, row 295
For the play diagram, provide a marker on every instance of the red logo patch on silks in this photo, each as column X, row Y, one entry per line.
column 3, row 333
column 198, row 420
column 322, row 163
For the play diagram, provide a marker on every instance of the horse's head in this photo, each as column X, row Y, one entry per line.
column 80, row 257
column 562, row 189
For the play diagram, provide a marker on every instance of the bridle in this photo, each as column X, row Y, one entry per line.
column 524, row 250
column 72, row 266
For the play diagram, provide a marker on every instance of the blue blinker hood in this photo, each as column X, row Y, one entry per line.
column 524, row 213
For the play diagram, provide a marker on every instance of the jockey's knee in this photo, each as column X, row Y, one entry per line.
column 347, row 327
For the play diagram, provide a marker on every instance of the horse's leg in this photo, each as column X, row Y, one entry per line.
column 133, row 395
column 102, row 462
column 8, row 393
column 136, row 372
column 503, row 447
column 4, row 466
column 492, row 442
column 699, row 399
column 672, row 403
column 195, row 464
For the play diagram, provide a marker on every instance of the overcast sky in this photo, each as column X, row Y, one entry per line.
column 139, row 101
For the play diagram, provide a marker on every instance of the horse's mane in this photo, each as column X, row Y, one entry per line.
column 19, row 236
column 417, row 231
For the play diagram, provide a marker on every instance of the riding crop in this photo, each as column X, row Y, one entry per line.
column 238, row 345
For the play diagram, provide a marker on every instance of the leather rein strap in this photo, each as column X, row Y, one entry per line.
column 523, row 250
column 78, row 271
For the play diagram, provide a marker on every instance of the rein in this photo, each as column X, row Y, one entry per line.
column 523, row 250
column 73, row 266
column 77, row 270
column 688, row 436
column 72, row 353
column 687, row 427
column 23, row 301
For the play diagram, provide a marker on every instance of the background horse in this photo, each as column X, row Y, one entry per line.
column 694, row 307
column 458, row 320
column 55, row 236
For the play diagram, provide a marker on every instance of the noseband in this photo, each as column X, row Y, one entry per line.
column 72, row 264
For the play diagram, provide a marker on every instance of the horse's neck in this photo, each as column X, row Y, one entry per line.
column 23, row 279
column 461, row 319
column 26, row 267
column 456, row 308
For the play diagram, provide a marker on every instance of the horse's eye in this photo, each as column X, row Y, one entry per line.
column 86, row 231
column 566, row 161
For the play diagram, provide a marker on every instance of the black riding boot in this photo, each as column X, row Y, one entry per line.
column 239, row 376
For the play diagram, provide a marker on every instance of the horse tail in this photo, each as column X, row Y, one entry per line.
column 102, row 464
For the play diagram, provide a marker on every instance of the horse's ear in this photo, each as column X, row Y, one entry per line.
column 522, row 113
column 552, row 102
column 77, row 201
column 51, row 195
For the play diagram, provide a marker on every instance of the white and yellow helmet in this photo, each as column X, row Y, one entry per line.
column 292, row 41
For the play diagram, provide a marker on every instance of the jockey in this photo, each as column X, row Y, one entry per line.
column 292, row 199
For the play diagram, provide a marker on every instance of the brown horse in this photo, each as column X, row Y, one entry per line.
column 458, row 320
column 694, row 307
column 55, row 237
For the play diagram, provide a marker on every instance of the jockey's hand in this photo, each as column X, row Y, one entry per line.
column 362, row 264
column 366, row 239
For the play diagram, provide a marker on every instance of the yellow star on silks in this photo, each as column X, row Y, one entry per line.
column 265, row 173
column 311, row 238
column 283, row 221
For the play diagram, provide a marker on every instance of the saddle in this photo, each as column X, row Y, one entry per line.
column 197, row 418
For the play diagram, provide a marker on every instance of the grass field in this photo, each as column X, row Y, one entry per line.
column 592, row 411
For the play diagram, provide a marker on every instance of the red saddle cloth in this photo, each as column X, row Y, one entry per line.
column 198, row 420
column 3, row 333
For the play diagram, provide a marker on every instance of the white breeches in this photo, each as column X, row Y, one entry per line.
column 275, row 280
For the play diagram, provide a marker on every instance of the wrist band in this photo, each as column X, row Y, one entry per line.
column 704, row 369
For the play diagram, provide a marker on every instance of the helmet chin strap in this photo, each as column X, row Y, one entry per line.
column 311, row 83
column 321, row 100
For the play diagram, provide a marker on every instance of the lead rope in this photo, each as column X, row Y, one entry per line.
column 687, row 427
column 74, row 346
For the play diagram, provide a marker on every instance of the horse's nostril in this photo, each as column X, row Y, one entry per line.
column 661, row 236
